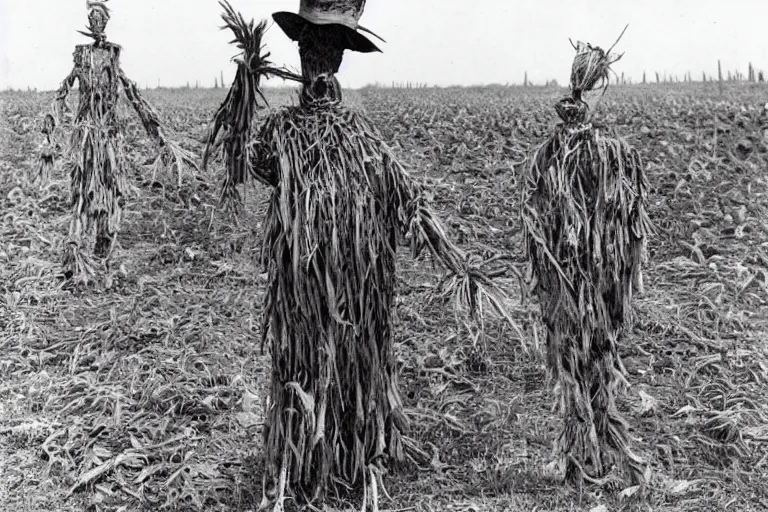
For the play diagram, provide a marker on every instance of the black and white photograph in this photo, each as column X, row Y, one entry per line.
column 383, row 256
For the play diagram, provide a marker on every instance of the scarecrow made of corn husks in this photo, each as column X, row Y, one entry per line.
column 341, row 203
column 95, row 159
column 585, row 228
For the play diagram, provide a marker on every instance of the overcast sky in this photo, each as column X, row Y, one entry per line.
column 172, row 42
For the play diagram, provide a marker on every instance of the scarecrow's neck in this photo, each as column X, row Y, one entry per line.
column 320, row 60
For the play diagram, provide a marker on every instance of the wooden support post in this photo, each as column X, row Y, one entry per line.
column 720, row 77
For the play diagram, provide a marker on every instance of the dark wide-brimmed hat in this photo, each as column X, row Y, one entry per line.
column 344, row 14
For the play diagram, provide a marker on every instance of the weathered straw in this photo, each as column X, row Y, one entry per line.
column 585, row 226
column 341, row 206
column 95, row 157
column 234, row 117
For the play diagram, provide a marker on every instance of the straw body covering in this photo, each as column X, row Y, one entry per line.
column 95, row 159
column 340, row 206
column 585, row 229
column 341, row 15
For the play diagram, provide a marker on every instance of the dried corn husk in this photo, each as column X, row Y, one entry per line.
column 231, row 126
column 585, row 229
column 340, row 207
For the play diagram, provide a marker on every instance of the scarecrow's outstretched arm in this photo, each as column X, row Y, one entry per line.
column 417, row 218
column 427, row 231
column 147, row 114
column 60, row 104
column 171, row 151
column 49, row 146
column 468, row 283
column 231, row 127
column 60, row 107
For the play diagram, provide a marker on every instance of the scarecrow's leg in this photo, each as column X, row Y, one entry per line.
column 575, row 440
column 577, row 446
column 75, row 257
column 109, row 216
column 108, row 225
column 595, row 439
column 105, row 238
column 60, row 106
column 609, row 426
column 612, row 429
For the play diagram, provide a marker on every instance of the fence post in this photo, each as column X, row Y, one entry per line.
column 719, row 77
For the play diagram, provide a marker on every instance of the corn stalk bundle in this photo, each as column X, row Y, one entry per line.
column 95, row 160
column 97, row 186
column 341, row 205
column 95, row 156
column 234, row 117
column 585, row 228
column 97, row 20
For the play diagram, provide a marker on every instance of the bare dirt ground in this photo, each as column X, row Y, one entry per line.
column 144, row 391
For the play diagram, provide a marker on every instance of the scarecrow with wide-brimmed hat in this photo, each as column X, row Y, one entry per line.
column 341, row 16
column 340, row 206
column 96, row 161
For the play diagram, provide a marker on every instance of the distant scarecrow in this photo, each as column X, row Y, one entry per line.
column 340, row 205
column 95, row 160
column 585, row 229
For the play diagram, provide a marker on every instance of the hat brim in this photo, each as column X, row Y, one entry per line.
column 293, row 25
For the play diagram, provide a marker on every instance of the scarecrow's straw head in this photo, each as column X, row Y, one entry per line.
column 589, row 72
column 98, row 17
column 591, row 68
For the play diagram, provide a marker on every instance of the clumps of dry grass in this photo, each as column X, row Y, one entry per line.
column 131, row 396
column 144, row 435
column 585, row 226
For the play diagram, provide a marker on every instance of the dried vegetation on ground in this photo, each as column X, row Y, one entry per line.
column 148, row 387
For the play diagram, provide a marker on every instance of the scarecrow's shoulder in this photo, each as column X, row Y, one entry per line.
column 341, row 117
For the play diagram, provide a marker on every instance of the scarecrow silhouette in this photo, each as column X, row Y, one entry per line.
column 341, row 204
column 96, row 162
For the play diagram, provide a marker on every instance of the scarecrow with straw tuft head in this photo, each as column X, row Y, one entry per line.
column 96, row 160
column 585, row 228
column 341, row 204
